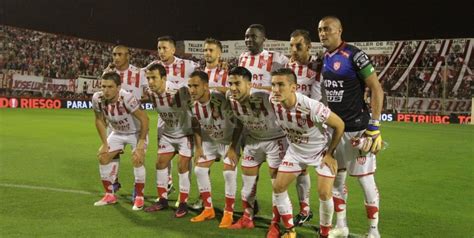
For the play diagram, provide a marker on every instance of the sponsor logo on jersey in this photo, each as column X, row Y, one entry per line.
column 361, row 160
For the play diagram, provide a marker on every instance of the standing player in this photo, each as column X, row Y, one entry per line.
column 177, row 69
column 304, row 66
column 217, row 137
column 302, row 120
column 133, row 81
column 258, row 61
column 264, row 141
column 129, row 125
column 133, row 78
column 173, row 109
column 347, row 71
column 217, row 74
column 177, row 74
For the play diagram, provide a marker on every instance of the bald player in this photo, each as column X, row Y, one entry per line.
column 347, row 71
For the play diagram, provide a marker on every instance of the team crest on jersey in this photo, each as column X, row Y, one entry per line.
column 301, row 121
column 336, row 65
column 361, row 160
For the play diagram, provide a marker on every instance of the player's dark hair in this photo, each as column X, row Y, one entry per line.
column 259, row 27
column 213, row 41
column 201, row 74
column 241, row 71
column 159, row 67
column 167, row 38
column 302, row 33
column 112, row 76
column 285, row 72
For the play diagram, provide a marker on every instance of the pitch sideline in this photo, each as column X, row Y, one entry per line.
column 45, row 188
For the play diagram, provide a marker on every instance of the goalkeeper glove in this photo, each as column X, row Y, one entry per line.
column 373, row 133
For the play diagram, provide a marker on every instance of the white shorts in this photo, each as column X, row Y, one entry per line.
column 213, row 150
column 354, row 160
column 182, row 145
column 118, row 141
column 294, row 163
column 256, row 151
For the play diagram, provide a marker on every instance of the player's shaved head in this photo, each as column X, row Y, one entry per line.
column 334, row 20
column 122, row 48
column 330, row 32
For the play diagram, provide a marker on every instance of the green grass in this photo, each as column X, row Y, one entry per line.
column 425, row 178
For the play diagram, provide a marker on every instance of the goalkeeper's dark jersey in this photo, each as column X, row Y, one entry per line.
column 344, row 71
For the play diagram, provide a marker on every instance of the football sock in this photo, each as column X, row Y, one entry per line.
column 339, row 193
column 303, row 185
column 371, row 199
column 230, row 177
column 106, row 175
column 283, row 204
column 184, row 185
column 248, row 197
column 140, row 175
column 326, row 210
column 162, row 183
column 204, row 185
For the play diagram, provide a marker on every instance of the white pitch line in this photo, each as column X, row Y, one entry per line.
column 44, row 188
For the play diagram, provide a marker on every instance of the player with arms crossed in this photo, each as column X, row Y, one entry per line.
column 173, row 109
column 129, row 125
column 346, row 72
column 264, row 141
column 304, row 122
column 216, row 137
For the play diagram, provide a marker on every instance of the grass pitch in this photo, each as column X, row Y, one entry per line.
column 49, row 181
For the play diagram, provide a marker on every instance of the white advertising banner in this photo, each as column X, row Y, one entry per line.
column 233, row 48
column 423, row 105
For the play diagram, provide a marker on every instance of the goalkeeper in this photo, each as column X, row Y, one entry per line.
column 347, row 71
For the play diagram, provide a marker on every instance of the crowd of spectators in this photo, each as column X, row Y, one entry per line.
column 58, row 56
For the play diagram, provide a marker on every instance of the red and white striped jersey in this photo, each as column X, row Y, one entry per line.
column 307, row 77
column 217, row 77
column 215, row 117
column 303, row 125
column 119, row 114
column 133, row 80
column 178, row 72
column 261, row 65
column 257, row 115
column 173, row 109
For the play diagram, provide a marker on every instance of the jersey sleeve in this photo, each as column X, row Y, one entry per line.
column 192, row 66
column 96, row 102
column 131, row 103
column 361, row 62
column 319, row 112
column 280, row 61
column 143, row 80
column 316, row 90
